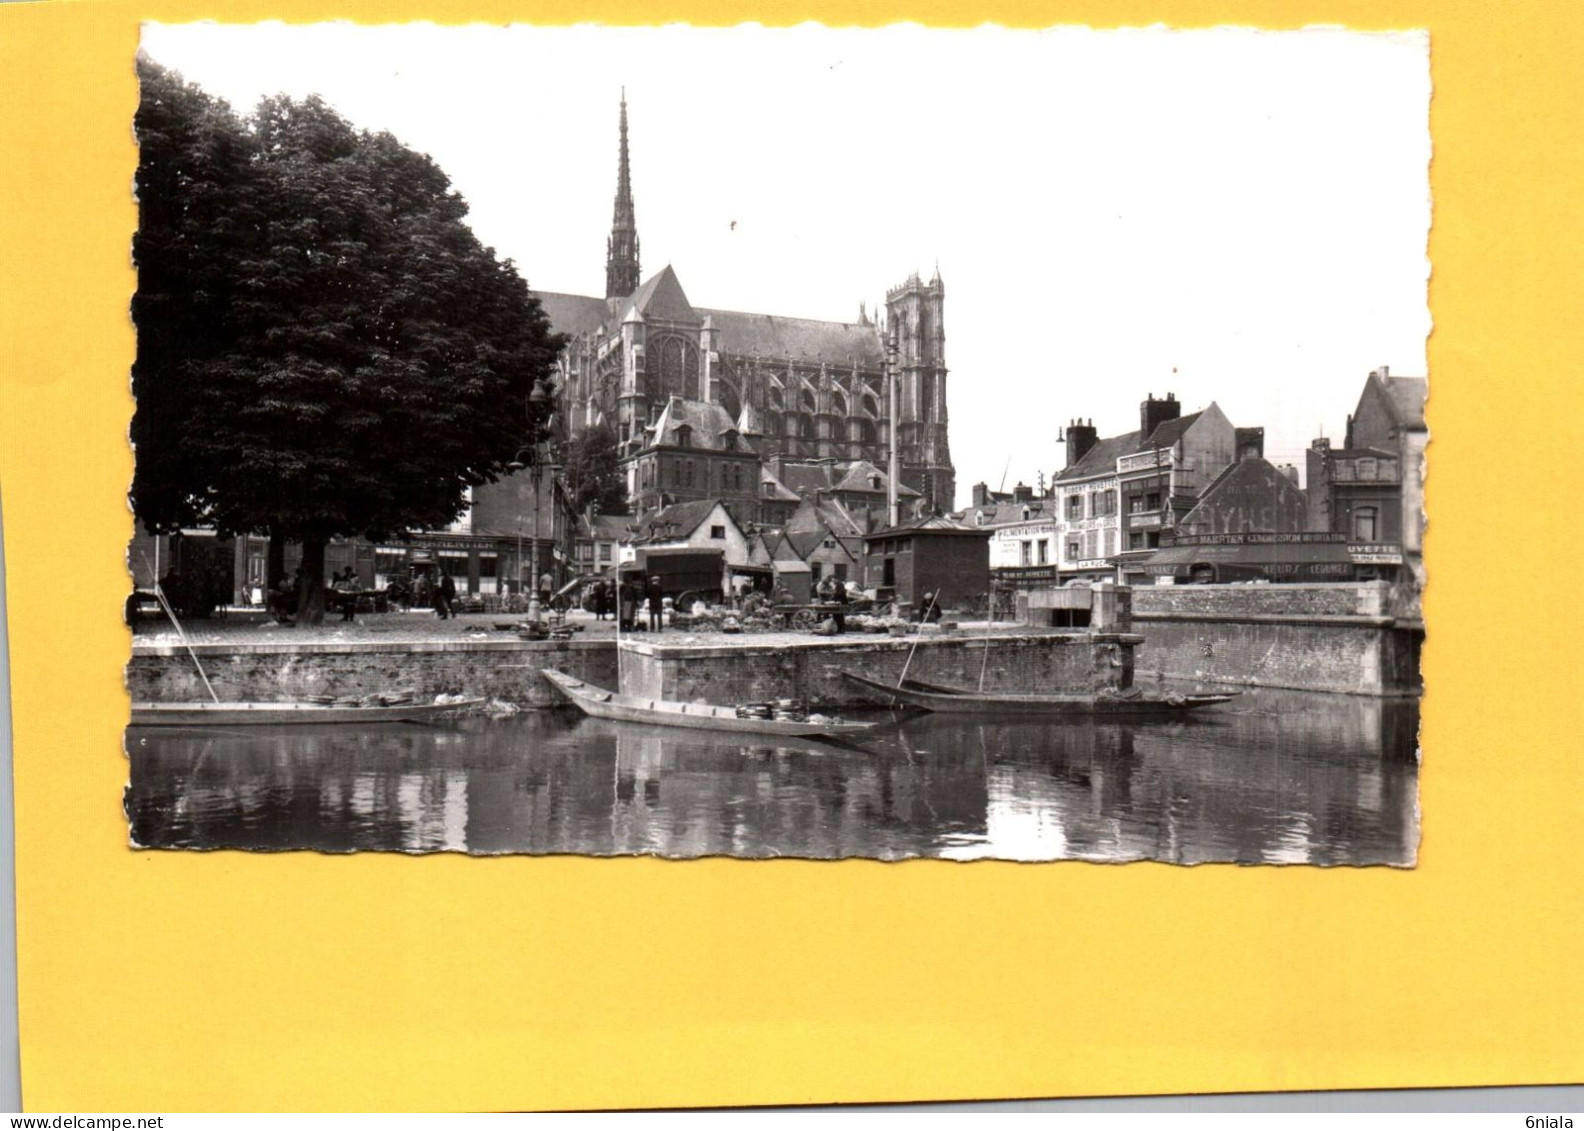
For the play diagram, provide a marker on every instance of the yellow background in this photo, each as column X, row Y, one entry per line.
column 226, row 980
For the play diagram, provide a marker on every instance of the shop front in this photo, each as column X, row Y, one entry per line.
column 1211, row 559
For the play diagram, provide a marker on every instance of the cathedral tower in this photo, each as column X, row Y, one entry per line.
column 621, row 250
column 916, row 318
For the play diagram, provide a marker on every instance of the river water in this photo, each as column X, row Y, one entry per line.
column 1274, row 777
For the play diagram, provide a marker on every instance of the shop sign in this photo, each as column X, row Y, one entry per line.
column 1257, row 539
column 1375, row 554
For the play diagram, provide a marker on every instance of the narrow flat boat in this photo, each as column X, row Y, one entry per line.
column 604, row 704
column 933, row 697
column 286, row 714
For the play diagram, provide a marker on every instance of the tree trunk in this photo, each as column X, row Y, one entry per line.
column 310, row 592
column 274, row 563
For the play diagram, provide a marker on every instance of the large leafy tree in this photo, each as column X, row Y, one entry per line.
column 593, row 471
column 367, row 359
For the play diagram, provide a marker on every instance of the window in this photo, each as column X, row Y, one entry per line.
column 718, row 532
column 689, row 479
column 814, row 572
column 1074, row 549
column 1094, row 504
column 1028, row 553
column 1044, row 551
column 1135, row 541
column 605, row 552
column 1152, row 501
column 1110, row 541
column 1135, row 504
column 1074, row 506
column 841, row 572
column 1108, row 502
column 1365, row 524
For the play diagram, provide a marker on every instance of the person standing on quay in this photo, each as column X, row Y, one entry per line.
column 656, row 605
column 627, row 606
column 444, row 594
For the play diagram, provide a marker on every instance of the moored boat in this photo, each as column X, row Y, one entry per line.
column 605, row 704
column 933, row 697
column 289, row 714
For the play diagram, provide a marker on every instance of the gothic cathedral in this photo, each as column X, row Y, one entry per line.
column 793, row 390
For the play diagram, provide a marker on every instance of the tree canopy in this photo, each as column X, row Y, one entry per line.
column 593, row 471
column 324, row 347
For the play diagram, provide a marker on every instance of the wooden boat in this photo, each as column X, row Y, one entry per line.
column 603, row 704
column 285, row 714
column 932, row 697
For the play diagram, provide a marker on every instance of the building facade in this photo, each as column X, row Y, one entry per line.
column 1371, row 490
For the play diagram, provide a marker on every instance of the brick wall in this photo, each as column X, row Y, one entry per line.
column 500, row 669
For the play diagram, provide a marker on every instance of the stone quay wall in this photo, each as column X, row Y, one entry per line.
column 499, row 669
column 1350, row 638
column 813, row 670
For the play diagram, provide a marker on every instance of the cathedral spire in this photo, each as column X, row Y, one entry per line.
column 621, row 251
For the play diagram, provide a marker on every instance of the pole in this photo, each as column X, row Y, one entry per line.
column 894, row 463
column 159, row 593
column 935, row 596
column 989, row 619
column 535, row 610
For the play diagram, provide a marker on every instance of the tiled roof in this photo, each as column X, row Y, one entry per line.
column 772, row 336
column 858, row 475
column 780, row 490
column 682, row 519
column 576, row 314
column 708, row 423
column 1102, row 457
column 661, row 298
column 939, row 523
column 769, row 336
column 605, row 527
column 1363, row 453
column 826, row 516
column 999, row 514
column 800, row 477
column 851, row 476
column 1168, row 432
column 1407, row 398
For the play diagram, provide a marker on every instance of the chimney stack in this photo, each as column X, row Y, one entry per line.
column 1080, row 438
column 1250, row 442
column 1154, row 413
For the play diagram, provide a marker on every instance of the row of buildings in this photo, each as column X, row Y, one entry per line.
column 1191, row 498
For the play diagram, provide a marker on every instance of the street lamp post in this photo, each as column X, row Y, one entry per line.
column 536, row 453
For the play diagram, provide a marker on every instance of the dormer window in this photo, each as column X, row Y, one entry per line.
column 1025, row 514
column 684, row 436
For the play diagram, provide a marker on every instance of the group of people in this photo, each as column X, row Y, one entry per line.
column 438, row 594
column 624, row 600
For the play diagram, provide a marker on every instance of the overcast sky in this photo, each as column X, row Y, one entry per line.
column 1232, row 216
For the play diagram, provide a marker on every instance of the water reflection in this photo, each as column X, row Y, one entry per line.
column 1276, row 777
